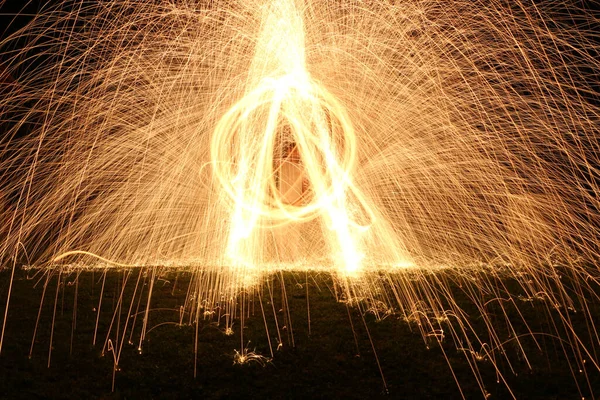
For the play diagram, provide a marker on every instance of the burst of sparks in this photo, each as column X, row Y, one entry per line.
column 432, row 141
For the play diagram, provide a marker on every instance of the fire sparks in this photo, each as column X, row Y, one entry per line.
column 387, row 143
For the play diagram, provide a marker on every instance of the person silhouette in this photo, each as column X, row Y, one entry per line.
column 292, row 181
column 292, row 185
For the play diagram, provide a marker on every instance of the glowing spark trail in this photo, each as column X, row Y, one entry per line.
column 280, row 92
column 399, row 145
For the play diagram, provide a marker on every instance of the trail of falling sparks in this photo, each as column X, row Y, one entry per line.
column 281, row 93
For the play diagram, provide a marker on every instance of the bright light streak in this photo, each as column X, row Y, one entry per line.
column 282, row 94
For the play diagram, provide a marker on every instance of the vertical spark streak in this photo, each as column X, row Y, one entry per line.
column 280, row 91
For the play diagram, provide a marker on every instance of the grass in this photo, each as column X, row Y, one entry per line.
column 327, row 363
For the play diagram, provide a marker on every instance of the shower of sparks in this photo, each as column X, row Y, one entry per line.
column 418, row 142
column 282, row 104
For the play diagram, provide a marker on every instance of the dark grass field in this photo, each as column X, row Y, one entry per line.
column 327, row 363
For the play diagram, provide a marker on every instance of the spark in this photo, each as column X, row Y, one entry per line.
column 248, row 357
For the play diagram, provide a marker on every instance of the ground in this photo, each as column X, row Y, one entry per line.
column 327, row 363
